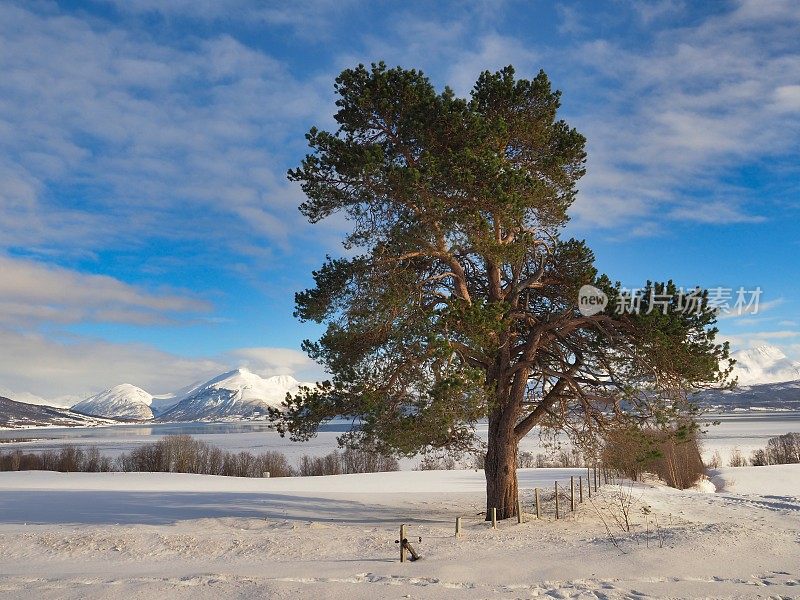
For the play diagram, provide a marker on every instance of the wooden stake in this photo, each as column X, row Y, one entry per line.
column 494, row 518
column 580, row 488
column 556, row 500
column 458, row 526
column 538, row 504
column 572, row 493
column 402, row 543
column 519, row 511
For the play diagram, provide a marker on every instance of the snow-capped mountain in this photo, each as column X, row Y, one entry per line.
column 18, row 415
column 163, row 402
column 764, row 364
column 767, row 380
column 239, row 394
column 124, row 401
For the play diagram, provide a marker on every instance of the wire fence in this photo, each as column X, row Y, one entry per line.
column 560, row 500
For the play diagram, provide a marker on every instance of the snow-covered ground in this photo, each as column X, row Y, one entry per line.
column 128, row 535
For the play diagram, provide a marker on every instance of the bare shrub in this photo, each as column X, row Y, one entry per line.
column 363, row 461
column 526, row 460
column 716, row 460
column 784, row 449
column 737, row 460
column 759, row 458
column 274, row 463
column 437, row 462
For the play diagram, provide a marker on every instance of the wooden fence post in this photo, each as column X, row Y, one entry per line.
column 458, row 526
column 580, row 488
column 494, row 518
column 519, row 511
column 402, row 545
column 538, row 504
column 556, row 500
column 572, row 493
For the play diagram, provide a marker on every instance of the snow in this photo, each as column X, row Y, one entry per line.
column 705, row 486
column 252, row 386
column 190, row 536
column 772, row 480
column 764, row 364
column 124, row 400
column 238, row 394
column 397, row 482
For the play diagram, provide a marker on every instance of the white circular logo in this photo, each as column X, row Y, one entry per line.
column 591, row 300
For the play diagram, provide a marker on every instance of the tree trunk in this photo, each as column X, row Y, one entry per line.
column 501, row 467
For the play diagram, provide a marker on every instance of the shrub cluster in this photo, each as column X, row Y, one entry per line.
column 347, row 461
column 184, row 454
column 672, row 455
column 781, row 450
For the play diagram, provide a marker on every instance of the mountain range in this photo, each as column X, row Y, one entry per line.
column 21, row 415
column 767, row 379
column 237, row 394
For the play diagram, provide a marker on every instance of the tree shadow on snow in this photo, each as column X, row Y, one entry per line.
column 160, row 508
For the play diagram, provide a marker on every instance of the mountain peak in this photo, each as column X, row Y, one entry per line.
column 239, row 393
column 767, row 351
column 764, row 364
column 124, row 400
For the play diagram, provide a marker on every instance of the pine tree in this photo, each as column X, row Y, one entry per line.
column 458, row 298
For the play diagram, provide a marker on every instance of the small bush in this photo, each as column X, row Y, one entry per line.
column 437, row 462
column 737, row 460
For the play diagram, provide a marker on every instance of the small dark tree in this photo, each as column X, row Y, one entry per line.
column 458, row 300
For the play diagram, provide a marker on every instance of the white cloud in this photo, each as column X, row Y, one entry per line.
column 667, row 119
column 681, row 112
column 156, row 140
column 784, row 340
column 311, row 19
column 31, row 292
column 276, row 361
column 31, row 363
column 35, row 368
column 787, row 98
column 750, row 305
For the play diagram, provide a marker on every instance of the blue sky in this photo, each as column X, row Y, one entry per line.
column 150, row 234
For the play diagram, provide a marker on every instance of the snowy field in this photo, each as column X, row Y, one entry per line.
column 116, row 535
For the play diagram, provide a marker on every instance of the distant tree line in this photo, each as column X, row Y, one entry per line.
column 67, row 459
column 184, row 454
